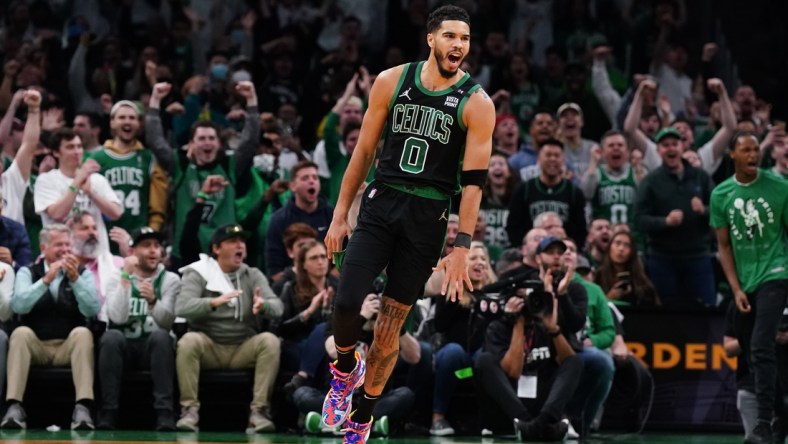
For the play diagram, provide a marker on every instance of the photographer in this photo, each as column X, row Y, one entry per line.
column 530, row 367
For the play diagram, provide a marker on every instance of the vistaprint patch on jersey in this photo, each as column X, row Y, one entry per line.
column 372, row 193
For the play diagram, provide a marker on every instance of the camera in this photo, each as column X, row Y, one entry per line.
column 538, row 303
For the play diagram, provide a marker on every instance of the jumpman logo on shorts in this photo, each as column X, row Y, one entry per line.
column 406, row 94
column 443, row 216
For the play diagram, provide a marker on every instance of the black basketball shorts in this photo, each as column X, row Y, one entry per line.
column 398, row 232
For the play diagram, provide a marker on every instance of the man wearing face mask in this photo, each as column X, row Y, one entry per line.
column 205, row 157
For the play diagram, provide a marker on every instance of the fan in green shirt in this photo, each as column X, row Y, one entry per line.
column 749, row 212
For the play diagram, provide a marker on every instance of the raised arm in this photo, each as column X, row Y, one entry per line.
column 250, row 135
column 154, row 133
column 8, row 117
column 76, row 75
column 639, row 139
column 608, row 97
column 24, row 158
column 720, row 140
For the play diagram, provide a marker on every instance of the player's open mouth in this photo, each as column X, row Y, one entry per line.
column 454, row 58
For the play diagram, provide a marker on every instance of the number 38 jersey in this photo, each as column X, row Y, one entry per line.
column 425, row 136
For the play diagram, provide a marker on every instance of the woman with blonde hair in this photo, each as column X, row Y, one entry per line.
column 454, row 352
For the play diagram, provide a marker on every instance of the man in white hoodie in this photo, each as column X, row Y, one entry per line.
column 141, row 309
column 224, row 301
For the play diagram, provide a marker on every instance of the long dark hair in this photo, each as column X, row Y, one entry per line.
column 511, row 184
column 305, row 290
column 643, row 291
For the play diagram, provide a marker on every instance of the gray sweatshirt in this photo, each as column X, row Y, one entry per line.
column 232, row 323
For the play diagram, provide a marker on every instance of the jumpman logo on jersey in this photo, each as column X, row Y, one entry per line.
column 443, row 216
column 406, row 94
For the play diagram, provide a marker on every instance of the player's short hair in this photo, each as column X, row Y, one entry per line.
column 551, row 141
column 739, row 135
column 59, row 135
column 93, row 119
column 444, row 13
column 611, row 133
column 300, row 166
column 204, row 124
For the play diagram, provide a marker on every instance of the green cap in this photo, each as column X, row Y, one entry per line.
column 667, row 132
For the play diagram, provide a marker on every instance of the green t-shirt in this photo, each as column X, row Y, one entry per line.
column 140, row 324
column 614, row 199
column 599, row 321
column 219, row 208
column 757, row 216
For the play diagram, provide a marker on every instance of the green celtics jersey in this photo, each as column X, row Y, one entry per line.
column 757, row 216
column 614, row 199
column 129, row 175
column 495, row 217
column 140, row 324
column 219, row 208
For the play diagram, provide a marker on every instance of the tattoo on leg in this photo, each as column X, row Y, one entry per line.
column 385, row 348
column 380, row 370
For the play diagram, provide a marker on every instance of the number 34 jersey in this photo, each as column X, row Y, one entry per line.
column 424, row 140
column 130, row 176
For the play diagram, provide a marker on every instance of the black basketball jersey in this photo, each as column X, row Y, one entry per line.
column 425, row 138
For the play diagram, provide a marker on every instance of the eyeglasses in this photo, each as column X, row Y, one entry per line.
column 316, row 257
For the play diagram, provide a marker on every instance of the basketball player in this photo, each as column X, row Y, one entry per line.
column 438, row 140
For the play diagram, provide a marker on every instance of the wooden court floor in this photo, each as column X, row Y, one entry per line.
column 141, row 437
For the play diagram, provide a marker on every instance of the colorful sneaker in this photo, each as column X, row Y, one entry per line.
column 357, row 433
column 340, row 396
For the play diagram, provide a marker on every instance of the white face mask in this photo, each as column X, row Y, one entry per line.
column 264, row 163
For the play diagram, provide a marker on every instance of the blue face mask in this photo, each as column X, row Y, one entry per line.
column 219, row 71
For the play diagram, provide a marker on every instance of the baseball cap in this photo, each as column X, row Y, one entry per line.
column 122, row 103
column 583, row 265
column 667, row 132
column 569, row 105
column 504, row 117
column 548, row 242
column 228, row 231
column 140, row 234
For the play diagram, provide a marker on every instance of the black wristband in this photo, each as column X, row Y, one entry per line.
column 555, row 335
column 463, row 240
